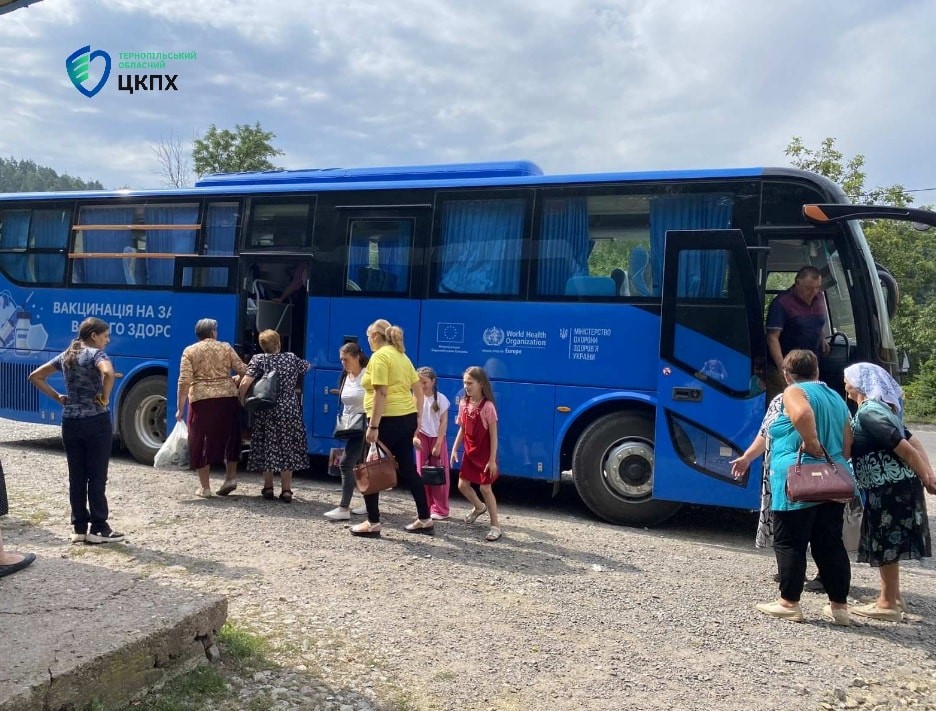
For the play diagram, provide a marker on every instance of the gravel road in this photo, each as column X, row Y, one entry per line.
column 564, row 613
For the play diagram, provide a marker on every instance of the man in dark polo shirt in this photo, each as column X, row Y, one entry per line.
column 796, row 319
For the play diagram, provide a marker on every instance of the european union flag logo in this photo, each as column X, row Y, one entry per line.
column 450, row 333
column 78, row 66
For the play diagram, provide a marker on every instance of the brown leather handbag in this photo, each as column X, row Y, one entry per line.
column 819, row 483
column 377, row 474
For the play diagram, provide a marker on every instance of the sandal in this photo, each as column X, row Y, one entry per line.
column 420, row 526
column 267, row 492
column 366, row 529
column 286, row 496
column 493, row 534
column 473, row 516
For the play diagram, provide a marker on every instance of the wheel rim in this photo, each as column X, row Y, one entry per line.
column 149, row 421
column 627, row 469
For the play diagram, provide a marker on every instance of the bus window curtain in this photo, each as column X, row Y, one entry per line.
column 358, row 255
column 390, row 271
column 220, row 238
column 394, row 255
column 563, row 244
column 481, row 246
column 702, row 274
column 50, row 231
column 104, row 271
column 14, row 234
column 159, row 271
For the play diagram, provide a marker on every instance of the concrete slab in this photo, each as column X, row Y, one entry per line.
column 72, row 633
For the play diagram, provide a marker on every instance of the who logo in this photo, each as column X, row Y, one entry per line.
column 78, row 66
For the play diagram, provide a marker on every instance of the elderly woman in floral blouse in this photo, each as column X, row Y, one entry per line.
column 214, row 418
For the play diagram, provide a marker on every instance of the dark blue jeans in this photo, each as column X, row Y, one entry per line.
column 88, row 442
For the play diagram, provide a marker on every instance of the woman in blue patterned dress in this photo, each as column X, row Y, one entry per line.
column 892, row 475
column 278, row 437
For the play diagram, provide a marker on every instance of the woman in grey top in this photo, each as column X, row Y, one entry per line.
column 87, row 431
column 351, row 393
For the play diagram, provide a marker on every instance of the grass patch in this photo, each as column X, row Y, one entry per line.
column 242, row 646
column 188, row 692
column 208, row 685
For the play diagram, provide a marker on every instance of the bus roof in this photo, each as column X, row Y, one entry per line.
column 480, row 175
column 453, row 171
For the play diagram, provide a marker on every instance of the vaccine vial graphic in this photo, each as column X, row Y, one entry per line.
column 7, row 321
column 22, row 332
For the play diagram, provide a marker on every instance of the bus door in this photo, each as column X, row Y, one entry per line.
column 202, row 287
column 274, row 295
column 384, row 275
column 710, row 399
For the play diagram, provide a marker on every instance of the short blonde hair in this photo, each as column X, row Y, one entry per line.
column 269, row 341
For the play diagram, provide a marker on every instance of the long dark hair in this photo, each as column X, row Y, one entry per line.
column 89, row 327
column 354, row 350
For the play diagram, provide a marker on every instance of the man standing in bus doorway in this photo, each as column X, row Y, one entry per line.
column 796, row 319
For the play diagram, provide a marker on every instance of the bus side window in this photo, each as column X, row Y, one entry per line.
column 379, row 255
column 480, row 246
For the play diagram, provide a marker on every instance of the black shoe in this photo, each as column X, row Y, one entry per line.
column 27, row 560
column 815, row 585
column 107, row 536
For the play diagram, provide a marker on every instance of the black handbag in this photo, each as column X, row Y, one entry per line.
column 348, row 426
column 432, row 474
column 263, row 392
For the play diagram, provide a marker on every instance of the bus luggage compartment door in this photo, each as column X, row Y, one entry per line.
column 710, row 399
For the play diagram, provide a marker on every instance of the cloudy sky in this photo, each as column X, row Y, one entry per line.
column 575, row 86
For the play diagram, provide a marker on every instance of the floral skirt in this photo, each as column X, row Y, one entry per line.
column 895, row 526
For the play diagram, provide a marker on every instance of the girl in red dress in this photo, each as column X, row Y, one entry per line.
column 477, row 428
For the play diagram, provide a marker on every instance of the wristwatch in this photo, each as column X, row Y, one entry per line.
column 371, row 427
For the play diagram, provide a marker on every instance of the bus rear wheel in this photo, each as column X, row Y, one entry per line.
column 143, row 418
column 612, row 467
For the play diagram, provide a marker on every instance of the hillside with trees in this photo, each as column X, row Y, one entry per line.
column 25, row 176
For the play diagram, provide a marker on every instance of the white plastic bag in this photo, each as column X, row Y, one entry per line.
column 174, row 453
column 372, row 453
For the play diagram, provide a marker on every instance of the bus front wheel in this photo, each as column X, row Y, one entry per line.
column 143, row 418
column 612, row 467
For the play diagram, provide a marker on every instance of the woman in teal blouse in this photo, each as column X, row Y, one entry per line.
column 814, row 417
column 892, row 475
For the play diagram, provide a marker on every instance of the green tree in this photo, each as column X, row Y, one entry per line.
column 24, row 176
column 247, row 148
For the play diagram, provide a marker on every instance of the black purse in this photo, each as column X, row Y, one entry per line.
column 432, row 474
column 348, row 426
column 264, row 391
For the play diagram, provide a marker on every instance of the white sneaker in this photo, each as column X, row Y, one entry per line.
column 439, row 517
column 359, row 510
column 338, row 514
column 203, row 493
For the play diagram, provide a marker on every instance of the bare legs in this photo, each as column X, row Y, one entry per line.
column 464, row 486
column 890, row 586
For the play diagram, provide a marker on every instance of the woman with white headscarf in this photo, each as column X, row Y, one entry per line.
column 892, row 474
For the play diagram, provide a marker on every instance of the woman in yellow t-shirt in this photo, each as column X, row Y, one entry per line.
column 390, row 384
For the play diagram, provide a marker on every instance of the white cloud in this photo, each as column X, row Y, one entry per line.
column 586, row 85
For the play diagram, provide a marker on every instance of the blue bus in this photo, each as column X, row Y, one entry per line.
column 619, row 316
